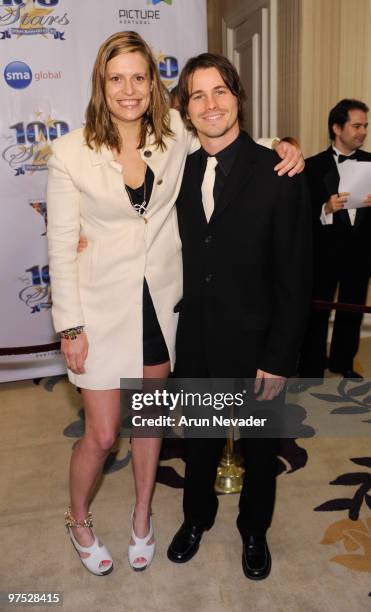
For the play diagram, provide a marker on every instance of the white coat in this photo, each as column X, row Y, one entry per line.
column 101, row 287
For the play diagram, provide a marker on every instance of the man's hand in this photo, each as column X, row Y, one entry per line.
column 83, row 243
column 75, row 352
column 367, row 200
column 292, row 159
column 336, row 202
column 273, row 385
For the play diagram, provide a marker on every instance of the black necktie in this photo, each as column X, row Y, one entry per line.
column 342, row 158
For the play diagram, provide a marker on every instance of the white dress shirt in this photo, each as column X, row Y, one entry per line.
column 328, row 218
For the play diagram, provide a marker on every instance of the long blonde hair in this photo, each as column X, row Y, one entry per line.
column 100, row 129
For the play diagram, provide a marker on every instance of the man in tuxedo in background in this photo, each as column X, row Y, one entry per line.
column 342, row 240
column 247, row 265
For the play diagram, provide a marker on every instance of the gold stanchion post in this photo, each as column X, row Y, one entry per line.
column 230, row 473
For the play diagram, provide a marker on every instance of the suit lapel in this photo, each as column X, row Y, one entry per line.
column 360, row 215
column 239, row 176
column 332, row 180
column 191, row 186
column 331, row 177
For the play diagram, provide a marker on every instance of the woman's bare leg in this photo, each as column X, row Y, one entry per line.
column 102, row 425
column 146, row 453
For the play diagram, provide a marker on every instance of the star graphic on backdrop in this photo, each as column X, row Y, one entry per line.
column 40, row 207
column 30, row 12
column 40, row 150
column 50, row 122
column 41, row 155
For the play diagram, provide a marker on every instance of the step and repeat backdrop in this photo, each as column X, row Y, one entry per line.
column 47, row 50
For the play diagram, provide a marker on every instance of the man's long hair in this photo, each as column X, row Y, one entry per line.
column 100, row 129
column 226, row 70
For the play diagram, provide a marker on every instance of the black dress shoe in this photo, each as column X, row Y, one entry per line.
column 256, row 558
column 348, row 374
column 185, row 543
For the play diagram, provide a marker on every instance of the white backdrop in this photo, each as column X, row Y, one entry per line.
column 47, row 49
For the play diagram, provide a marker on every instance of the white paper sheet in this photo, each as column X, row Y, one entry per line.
column 355, row 180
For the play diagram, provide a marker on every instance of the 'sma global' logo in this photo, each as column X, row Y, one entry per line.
column 18, row 75
column 158, row 1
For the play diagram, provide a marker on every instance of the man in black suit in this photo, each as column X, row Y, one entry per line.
column 341, row 245
column 247, row 286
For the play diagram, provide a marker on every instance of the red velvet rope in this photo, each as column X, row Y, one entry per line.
column 323, row 305
column 317, row 304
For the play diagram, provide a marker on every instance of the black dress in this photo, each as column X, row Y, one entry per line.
column 154, row 347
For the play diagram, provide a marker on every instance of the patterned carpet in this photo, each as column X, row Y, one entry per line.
column 320, row 539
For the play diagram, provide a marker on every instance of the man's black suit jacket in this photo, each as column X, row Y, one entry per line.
column 340, row 242
column 247, row 273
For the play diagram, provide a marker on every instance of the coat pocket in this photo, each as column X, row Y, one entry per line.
column 87, row 262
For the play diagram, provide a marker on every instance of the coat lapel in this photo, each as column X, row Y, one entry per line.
column 239, row 176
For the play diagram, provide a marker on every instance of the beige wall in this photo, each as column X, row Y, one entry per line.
column 324, row 55
column 288, row 66
column 215, row 11
column 335, row 63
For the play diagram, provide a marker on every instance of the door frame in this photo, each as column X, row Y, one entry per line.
column 269, row 89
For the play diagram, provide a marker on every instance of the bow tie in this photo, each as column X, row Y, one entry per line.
column 343, row 158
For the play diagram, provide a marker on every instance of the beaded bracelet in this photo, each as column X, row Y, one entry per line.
column 72, row 333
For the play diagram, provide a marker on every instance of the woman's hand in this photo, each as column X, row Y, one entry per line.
column 75, row 352
column 292, row 158
column 83, row 243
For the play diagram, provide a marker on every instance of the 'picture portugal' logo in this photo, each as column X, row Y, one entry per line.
column 32, row 17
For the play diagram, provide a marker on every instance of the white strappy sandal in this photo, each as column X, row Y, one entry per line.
column 99, row 562
column 140, row 549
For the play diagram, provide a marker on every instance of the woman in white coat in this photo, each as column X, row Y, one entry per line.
column 116, row 182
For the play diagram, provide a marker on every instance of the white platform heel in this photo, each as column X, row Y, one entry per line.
column 99, row 562
column 140, row 549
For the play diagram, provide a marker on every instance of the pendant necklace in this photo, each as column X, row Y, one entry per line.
column 140, row 207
